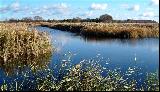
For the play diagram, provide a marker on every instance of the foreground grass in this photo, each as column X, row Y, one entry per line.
column 85, row 76
column 20, row 40
column 110, row 30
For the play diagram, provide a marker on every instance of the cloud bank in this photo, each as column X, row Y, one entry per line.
column 98, row 6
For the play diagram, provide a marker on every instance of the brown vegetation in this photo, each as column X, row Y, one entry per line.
column 110, row 30
column 20, row 40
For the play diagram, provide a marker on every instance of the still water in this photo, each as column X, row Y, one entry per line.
column 124, row 53
column 116, row 53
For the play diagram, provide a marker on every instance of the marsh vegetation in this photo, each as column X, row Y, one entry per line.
column 25, row 55
column 109, row 30
column 20, row 40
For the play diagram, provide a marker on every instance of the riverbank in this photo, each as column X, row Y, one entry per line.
column 109, row 30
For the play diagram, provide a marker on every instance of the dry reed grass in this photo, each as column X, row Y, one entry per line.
column 110, row 30
column 18, row 39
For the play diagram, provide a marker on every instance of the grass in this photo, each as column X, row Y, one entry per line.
column 20, row 40
column 109, row 30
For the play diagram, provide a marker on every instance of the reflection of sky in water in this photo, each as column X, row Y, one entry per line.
column 142, row 53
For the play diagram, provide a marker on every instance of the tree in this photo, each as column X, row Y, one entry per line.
column 105, row 18
column 27, row 19
column 77, row 19
column 38, row 18
column 12, row 20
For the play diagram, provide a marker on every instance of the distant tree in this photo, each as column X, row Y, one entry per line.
column 129, row 20
column 12, row 20
column 37, row 18
column 27, row 19
column 88, row 20
column 105, row 18
column 52, row 20
column 77, row 19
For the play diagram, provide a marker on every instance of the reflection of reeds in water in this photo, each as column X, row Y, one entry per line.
column 19, row 43
column 15, row 65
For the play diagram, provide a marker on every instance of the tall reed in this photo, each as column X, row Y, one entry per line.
column 110, row 30
column 18, row 39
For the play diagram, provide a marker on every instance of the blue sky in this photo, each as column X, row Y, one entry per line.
column 60, row 9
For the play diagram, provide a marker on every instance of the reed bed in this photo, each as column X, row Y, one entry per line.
column 21, row 40
column 110, row 30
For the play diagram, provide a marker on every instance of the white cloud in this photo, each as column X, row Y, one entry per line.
column 61, row 8
column 39, row 11
column 13, row 7
column 155, row 2
column 45, row 7
column 148, row 14
column 98, row 6
column 31, row 13
column 134, row 8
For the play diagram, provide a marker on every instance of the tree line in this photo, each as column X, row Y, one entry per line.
column 103, row 18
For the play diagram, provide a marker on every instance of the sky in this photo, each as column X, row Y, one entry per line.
column 62, row 9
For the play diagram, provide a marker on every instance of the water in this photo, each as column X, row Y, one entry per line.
column 114, row 53
column 141, row 54
column 124, row 53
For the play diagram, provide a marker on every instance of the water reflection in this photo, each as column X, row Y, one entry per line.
column 132, row 42
column 60, row 40
column 122, row 53
column 148, row 43
column 19, row 64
